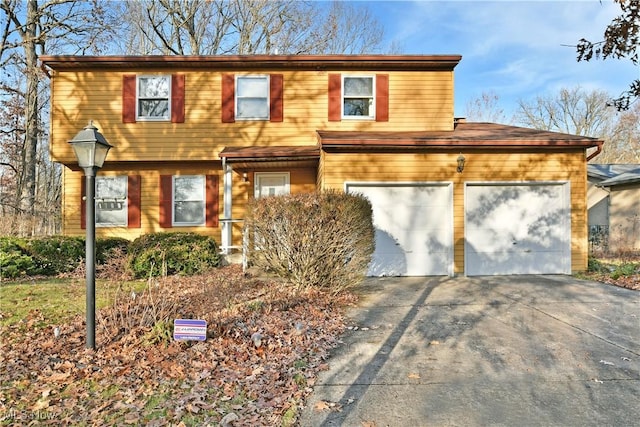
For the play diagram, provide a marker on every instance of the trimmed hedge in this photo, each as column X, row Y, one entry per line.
column 322, row 240
column 51, row 255
column 160, row 254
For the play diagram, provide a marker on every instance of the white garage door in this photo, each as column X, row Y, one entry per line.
column 517, row 228
column 414, row 231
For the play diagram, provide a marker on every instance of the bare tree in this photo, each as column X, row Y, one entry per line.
column 486, row 108
column 32, row 28
column 621, row 40
column 580, row 112
column 244, row 27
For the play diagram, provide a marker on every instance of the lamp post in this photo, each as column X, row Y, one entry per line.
column 91, row 149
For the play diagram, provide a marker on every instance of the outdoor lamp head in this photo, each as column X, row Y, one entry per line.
column 460, row 161
column 90, row 147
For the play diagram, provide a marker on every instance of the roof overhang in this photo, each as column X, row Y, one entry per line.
column 271, row 157
column 249, row 62
column 465, row 135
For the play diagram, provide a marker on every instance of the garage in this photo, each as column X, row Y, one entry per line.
column 413, row 225
column 517, row 228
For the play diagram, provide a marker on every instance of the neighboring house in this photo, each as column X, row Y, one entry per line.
column 196, row 137
column 613, row 203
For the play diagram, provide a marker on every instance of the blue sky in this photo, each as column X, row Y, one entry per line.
column 511, row 48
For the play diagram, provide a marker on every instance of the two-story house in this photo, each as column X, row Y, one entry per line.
column 196, row 137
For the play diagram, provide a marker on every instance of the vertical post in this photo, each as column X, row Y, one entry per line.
column 90, row 255
column 227, row 198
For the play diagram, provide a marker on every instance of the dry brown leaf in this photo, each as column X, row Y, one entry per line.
column 321, row 406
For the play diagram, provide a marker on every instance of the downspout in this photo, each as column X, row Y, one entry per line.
column 595, row 153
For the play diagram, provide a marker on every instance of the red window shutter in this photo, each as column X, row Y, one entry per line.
column 276, row 90
column 382, row 98
column 133, row 201
column 83, row 203
column 212, row 200
column 129, row 98
column 177, row 98
column 166, row 201
column 335, row 95
column 228, row 98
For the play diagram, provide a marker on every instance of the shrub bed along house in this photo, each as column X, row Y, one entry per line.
column 162, row 254
column 150, row 255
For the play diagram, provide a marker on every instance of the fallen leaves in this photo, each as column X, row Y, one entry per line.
column 226, row 380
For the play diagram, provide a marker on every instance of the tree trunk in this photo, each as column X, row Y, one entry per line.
column 27, row 184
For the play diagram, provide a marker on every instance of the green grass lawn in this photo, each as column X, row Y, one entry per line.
column 57, row 299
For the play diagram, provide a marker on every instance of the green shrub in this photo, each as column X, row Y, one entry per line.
column 14, row 259
column 108, row 247
column 56, row 254
column 172, row 253
column 624, row 270
column 320, row 240
column 595, row 265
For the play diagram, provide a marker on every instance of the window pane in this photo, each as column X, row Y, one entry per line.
column 189, row 212
column 111, row 217
column 255, row 87
column 252, row 108
column 113, row 187
column 358, row 86
column 189, row 188
column 154, row 87
column 357, row 107
column 153, row 108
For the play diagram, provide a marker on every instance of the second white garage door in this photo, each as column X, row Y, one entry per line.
column 517, row 228
column 414, row 229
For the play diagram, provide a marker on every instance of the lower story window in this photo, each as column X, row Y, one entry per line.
column 189, row 200
column 111, row 201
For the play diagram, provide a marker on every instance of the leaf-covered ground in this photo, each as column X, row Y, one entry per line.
column 623, row 273
column 264, row 349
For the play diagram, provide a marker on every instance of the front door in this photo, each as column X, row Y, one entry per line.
column 271, row 184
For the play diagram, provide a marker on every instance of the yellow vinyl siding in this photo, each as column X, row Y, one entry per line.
column 301, row 181
column 149, row 202
column 481, row 166
column 417, row 101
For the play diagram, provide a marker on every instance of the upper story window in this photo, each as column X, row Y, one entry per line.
column 252, row 97
column 363, row 97
column 153, row 98
column 111, row 201
column 154, row 95
column 358, row 97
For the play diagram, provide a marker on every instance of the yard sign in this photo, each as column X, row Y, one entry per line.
column 189, row 329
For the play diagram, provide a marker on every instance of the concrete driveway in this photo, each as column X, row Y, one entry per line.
column 480, row 351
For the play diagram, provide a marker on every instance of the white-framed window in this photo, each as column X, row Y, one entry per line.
column 154, row 98
column 111, row 201
column 252, row 97
column 189, row 200
column 358, row 97
column 271, row 184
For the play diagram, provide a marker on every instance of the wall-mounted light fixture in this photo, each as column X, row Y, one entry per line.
column 460, row 161
column 245, row 177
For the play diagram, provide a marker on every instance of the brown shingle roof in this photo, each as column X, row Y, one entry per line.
column 243, row 62
column 283, row 152
column 464, row 135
